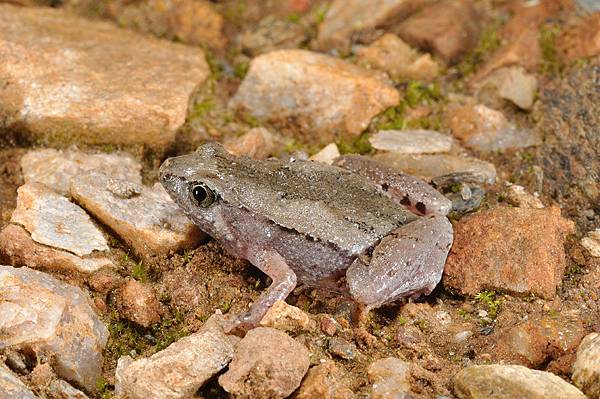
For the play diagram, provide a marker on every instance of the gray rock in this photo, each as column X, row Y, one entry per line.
column 467, row 199
column 151, row 223
column 89, row 81
column 517, row 196
column 586, row 369
column 390, row 378
column 319, row 95
column 589, row 5
column 411, row 141
column 63, row 390
column 53, row 320
column 591, row 242
column 267, row 363
column 12, row 387
column 272, row 33
column 179, row 370
column 341, row 348
column 508, row 382
column 513, row 84
column 56, row 168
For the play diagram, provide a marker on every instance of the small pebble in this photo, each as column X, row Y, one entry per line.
column 342, row 348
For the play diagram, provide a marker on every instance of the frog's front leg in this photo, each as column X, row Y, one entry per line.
column 284, row 282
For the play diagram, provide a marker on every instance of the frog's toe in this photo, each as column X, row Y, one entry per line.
column 407, row 262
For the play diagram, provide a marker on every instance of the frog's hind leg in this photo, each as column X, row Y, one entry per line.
column 284, row 282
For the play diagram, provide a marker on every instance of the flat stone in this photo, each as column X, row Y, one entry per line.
column 392, row 55
column 517, row 250
column 449, row 28
column 53, row 220
column 52, row 320
column 12, row 387
column 91, row 82
column 411, row 141
column 349, row 19
column 581, row 40
column 313, row 94
column 517, row 196
column 436, row 166
column 137, row 302
column 324, row 381
column 327, row 154
column 256, row 143
column 586, row 369
column 56, row 168
column 272, row 34
column 267, row 363
column 286, row 318
column 17, row 246
column 149, row 221
column 390, row 378
column 591, row 242
column 513, row 84
column 179, row 370
column 508, row 382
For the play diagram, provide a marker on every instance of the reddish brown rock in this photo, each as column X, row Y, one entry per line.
column 517, row 250
column 449, row 29
column 137, row 302
column 257, row 143
column 324, row 381
column 287, row 318
column 581, row 40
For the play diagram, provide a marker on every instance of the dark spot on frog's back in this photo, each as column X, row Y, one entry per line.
column 405, row 200
column 421, row 208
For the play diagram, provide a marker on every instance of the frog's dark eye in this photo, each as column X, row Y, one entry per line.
column 203, row 195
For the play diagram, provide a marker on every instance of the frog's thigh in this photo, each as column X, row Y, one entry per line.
column 407, row 262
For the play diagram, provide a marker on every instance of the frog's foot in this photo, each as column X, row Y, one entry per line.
column 363, row 337
column 284, row 282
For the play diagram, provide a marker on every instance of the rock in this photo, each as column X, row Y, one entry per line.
column 137, row 302
column 430, row 167
column 484, row 129
column 52, row 320
column 467, row 199
column 508, row 382
column 327, row 154
column 324, row 381
column 513, row 84
column 581, row 40
column 517, row 250
column 449, row 28
column 192, row 22
column 517, row 196
column 44, row 380
column 272, row 34
column 589, row 5
column 535, row 342
column 12, row 387
column 150, row 222
column 411, row 141
column 88, row 81
column 286, row 318
column 321, row 96
column 56, row 168
column 392, row 55
column 341, row 348
column 257, row 143
column 586, row 369
column 390, row 378
column 591, row 242
column 64, row 390
column 350, row 19
column 179, row 370
column 19, row 249
column 104, row 280
column 329, row 325
column 267, row 364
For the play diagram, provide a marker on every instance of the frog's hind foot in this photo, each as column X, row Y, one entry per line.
column 362, row 335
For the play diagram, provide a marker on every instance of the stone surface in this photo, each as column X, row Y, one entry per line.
column 53, row 220
column 449, row 28
column 508, row 382
column 513, row 84
column 327, row 154
column 517, row 250
column 19, row 249
column 484, row 129
column 146, row 218
column 179, row 370
column 591, row 242
column 257, row 143
column 271, row 34
column 517, row 196
column 192, row 22
column 56, row 168
column 317, row 95
column 411, row 141
column 586, row 369
column 392, row 55
column 137, row 302
column 437, row 166
column 12, row 387
column 286, row 317
column 342, row 348
column 267, row 364
column 88, row 81
column 53, row 320
column 581, row 40
column 390, row 378
column 350, row 19
column 324, row 381
column 589, row 5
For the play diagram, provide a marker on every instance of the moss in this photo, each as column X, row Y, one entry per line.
column 139, row 272
column 463, row 314
column 293, row 17
column 234, row 13
column 102, row 387
column 358, row 145
column 489, row 299
column 202, row 108
column 489, row 41
column 402, row 320
column 550, row 63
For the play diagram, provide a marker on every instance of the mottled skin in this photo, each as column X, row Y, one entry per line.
column 351, row 228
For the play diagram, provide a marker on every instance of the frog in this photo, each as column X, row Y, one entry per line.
column 355, row 227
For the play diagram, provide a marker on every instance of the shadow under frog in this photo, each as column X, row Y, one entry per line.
column 358, row 227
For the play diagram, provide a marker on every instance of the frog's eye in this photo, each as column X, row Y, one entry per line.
column 203, row 195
